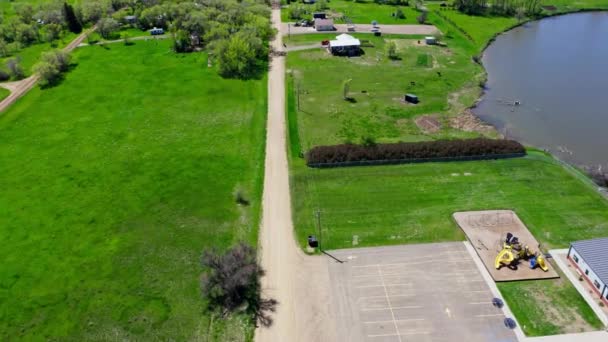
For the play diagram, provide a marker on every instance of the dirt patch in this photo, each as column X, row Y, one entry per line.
column 428, row 123
column 486, row 230
column 468, row 122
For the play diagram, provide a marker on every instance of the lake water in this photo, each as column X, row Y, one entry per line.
column 557, row 68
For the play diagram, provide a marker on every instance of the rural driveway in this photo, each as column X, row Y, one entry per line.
column 362, row 28
column 300, row 283
column 19, row 88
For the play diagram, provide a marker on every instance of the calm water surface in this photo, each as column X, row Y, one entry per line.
column 557, row 68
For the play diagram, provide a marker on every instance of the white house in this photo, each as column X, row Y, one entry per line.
column 345, row 44
column 591, row 258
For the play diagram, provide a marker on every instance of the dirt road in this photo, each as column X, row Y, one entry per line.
column 363, row 28
column 300, row 283
column 19, row 88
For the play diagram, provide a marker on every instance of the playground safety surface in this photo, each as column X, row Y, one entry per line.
column 425, row 292
column 486, row 230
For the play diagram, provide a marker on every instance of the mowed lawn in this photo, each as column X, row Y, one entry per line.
column 113, row 183
column 414, row 203
column 377, row 87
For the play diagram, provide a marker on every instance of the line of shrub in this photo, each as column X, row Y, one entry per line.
column 465, row 33
column 440, row 150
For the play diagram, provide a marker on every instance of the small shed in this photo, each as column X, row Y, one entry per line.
column 590, row 257
column 411, row 98
column 324, row 25
column 157, row 31
column 430, row 40
column 345, row 45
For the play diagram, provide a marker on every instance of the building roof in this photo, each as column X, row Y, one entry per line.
column 344, row 40
column 595, row 253
column 345, row 36
column 324, row 22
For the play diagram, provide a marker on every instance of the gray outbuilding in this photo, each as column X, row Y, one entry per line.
column 590, row 257
column 324, row 25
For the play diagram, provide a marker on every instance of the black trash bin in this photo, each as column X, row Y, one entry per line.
column 312, row 241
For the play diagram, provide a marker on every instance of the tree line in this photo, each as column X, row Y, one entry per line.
column 234, row 32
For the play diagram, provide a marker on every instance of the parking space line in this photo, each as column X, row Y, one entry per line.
column 363, row 276
column 415, row 333
column 478, row 303
column 397, row 320
column 383, row 335
column 394, row 308
column 490, row 315
column 366, row 286
column 372, row 297
column 389, row 304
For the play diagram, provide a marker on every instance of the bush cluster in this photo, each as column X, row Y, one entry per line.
column 51, row 66
column 439, row 149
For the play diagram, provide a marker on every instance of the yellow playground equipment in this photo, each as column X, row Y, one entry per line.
column 512, row 251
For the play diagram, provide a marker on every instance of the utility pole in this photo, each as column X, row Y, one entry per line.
column 318, row 214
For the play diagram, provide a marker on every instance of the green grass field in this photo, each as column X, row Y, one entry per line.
column 377, row 87
column 4, row 93
column 414, row 203
column 114, row 182
column 362, row 12
column 549, row 307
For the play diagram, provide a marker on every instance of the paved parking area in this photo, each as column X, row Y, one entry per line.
column 426, row 292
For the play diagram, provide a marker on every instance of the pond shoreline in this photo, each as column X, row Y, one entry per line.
column 501, row 130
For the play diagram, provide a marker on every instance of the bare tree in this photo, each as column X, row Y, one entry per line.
column 232, row 282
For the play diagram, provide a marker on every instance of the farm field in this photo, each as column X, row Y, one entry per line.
column 114, row 183
column 360, row 12
column 376, row 109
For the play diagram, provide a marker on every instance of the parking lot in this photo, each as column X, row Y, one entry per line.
column 425, row 292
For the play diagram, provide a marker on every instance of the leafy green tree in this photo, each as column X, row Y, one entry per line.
column 51, row 66
column 241, row 56
column 181, row 41
column 14, row 68
column 107, row 27
column 391, row 50
column 26, row 34
column 52, row 32
column 48, row 74
column 91, row 11
column 346, row 88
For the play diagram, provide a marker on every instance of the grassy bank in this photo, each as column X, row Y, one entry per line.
column 115, row 181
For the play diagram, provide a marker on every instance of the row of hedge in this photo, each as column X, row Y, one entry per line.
column 440, row 150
